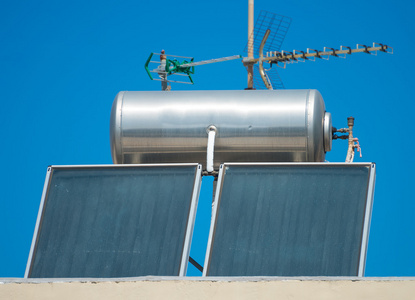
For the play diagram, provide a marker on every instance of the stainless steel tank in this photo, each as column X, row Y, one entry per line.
column 252, row 126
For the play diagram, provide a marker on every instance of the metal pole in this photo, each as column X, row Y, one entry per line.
column 350, row 150
column 250, row 42
column 163, row 57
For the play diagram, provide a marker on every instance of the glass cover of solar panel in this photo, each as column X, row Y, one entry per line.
column 114, row 222
column 289, row 221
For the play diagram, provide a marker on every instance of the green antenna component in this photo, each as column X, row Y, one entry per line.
column 146, row 65
column 173, row 66
column 167, row 67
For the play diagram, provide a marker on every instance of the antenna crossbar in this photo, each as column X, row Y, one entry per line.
column 167, row 73
column 210, row 61
column 174, row 56
column 173, row 81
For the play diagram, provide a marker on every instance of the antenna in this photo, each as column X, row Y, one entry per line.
column 263, row 47
column 278, row 26
column 284, row 57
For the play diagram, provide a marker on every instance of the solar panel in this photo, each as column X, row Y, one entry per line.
column 290, row 219
column 115, row 221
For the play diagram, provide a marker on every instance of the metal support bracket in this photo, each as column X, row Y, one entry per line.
column 260, row 62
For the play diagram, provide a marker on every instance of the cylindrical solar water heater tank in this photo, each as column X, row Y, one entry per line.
column 251, row 126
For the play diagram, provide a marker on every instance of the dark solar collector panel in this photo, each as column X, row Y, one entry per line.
column 291, row 220
column 115, row 221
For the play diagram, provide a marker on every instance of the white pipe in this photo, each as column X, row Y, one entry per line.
column 210, row 148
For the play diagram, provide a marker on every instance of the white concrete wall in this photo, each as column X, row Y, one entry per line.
column 211, row 288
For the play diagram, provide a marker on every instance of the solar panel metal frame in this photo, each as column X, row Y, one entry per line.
column 367, row 213
column 190, row 221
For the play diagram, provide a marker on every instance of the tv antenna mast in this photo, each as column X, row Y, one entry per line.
column 263, row 47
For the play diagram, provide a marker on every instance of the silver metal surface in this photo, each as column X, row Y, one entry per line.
column 213, row 220
column 252, row 126
column 211, row 61
column 368, row 217
column 191, row 222
column 328, row 132
column 261, row 56
column 38, row 220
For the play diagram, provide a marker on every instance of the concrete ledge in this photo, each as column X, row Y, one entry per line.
column 210, row 278
column 210, row 288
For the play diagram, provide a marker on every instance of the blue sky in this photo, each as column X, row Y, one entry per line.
column 63, row 62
